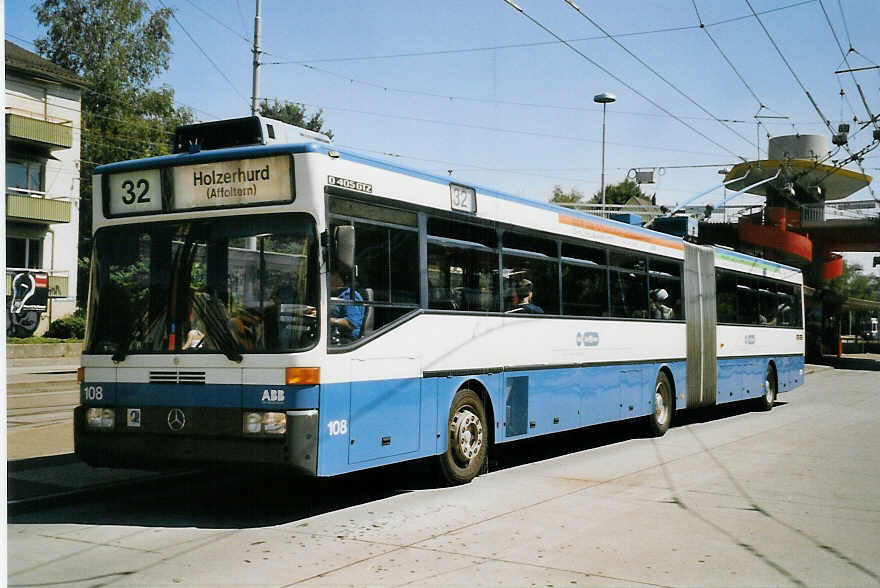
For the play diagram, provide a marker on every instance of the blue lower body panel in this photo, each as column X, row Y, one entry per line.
column 367, row 424
column 743, row 378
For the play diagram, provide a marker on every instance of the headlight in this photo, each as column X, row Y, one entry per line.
column 274, row 423
column 266, row 423
column 101, row 418
column 253, row 422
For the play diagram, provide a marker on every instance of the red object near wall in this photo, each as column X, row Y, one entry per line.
column 832, row 266
column 781, row 217
column 776, row 238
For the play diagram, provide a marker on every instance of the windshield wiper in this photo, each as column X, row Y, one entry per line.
column 217, row 325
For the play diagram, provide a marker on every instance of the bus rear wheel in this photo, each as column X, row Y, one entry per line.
column 766, row 401
column 659, row 421
column 467, row 440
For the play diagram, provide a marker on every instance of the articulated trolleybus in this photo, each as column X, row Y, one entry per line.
column 261, row 297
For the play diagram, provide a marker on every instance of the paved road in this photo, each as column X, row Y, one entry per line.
column 727, row 497
column 39, row 409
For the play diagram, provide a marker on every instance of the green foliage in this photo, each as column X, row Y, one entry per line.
column 294, row 114
column 69, row 327
column 118, row 47
column 855, row 284
column 619, row 193
column 561, row 197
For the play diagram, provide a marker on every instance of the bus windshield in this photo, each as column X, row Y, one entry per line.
column 233, row 285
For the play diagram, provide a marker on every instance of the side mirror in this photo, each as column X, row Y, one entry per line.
column 343, row 238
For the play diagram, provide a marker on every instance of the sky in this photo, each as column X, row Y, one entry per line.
column 492, row 94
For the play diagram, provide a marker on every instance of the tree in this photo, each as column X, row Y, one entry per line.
column 855, row 284
column 619, row 193
column 294, row 114
column 561, row 197
column 118, row 47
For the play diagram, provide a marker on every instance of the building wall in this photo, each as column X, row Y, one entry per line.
column 54, row 103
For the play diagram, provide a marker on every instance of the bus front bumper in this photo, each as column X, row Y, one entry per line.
column 150, row 448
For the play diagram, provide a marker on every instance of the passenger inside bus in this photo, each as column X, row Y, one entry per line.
column 522, row 298
column 346, row 320
column 657, row 306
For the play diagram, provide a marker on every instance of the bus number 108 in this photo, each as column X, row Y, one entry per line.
column 338, row 427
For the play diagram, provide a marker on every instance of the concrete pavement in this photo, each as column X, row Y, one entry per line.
column 727, row 498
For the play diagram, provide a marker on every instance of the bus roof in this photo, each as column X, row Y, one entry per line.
column 246, row 152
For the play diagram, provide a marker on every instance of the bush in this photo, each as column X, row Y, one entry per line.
column 69, row 327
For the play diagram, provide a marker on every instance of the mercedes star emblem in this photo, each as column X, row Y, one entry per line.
column 176, row 419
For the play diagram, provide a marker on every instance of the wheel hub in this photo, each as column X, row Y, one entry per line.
column 660, row 408
column 466, row 435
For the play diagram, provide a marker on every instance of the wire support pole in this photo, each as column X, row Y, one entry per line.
column 258, row 34
column 603, row 158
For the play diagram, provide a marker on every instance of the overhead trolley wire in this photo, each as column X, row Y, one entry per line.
column 502, row 130
column 621, row 81
column 754, row 94
column 526, row 45
column 388, row 88
column 208, row 57
column 809, row 96
column 221, row 23
column 659, row 75
column 845, row 26
column 845, row 54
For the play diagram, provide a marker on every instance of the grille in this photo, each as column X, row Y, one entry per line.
column 177, row 377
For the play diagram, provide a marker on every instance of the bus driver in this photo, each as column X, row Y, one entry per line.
column 346, row 320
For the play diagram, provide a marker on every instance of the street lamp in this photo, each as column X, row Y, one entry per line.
column 604, row 99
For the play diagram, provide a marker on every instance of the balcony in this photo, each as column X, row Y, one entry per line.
column 41, row 132
column 32, row 206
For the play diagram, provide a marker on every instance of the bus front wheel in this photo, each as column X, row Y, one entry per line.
column 467, row 438
column 659, row 421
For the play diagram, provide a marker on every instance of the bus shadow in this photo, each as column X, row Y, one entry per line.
column 227, row 500
column 854, row 363
column 258, row 498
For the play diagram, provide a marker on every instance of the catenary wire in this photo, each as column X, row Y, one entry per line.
column 729, row 62
column 844, row 54
column 204, row 53
column 449, row 97
column 245, row 38
column 621, row 81
column 659, row 75
column 527, row 45
column 509, row 131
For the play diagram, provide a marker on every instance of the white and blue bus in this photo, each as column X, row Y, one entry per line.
column 262, row 297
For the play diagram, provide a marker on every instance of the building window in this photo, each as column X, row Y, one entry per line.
column 25, row 175
column 23, row 253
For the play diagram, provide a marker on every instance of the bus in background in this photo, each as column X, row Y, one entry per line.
column 261, row 297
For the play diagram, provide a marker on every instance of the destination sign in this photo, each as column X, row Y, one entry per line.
column 136, row 192
column 244, row 182
column 232, row 183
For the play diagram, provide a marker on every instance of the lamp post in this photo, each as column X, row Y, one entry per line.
column 604, row 99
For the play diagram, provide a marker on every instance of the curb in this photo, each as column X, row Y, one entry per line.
column 31, row 354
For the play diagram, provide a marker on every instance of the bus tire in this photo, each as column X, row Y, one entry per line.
column 467, row 439
column 661, row 418
column 765, row 402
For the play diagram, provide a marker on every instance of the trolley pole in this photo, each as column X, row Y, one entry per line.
column 258, row 34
